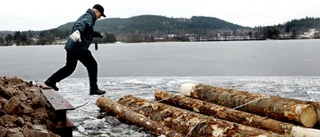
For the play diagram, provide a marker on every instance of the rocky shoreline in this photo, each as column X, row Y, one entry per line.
column 24, row 110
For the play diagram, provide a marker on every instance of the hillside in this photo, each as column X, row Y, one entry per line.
column 152, row 28
column 159, row 24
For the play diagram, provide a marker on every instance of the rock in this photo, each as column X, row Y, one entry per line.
column 3, row 101
column 1, row 122
column 29, row 125
column 17, row 134
column 11, row 92
column 12, row 131
column 3, row 131
column 24, row 110
column 40, row 113
column 39, row 131
column 27, row 132
column 20, row 121
column 13, row 105
column 5, row 119
column 22, row 96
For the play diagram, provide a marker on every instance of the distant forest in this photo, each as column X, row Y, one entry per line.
column 152, row 28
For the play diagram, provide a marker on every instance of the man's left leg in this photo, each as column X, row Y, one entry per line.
column 92, row 67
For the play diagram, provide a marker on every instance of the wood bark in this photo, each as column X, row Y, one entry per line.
column 316, row 105
column 127, row 115
column 275, row 107
column 237, row 116
column 189, row 123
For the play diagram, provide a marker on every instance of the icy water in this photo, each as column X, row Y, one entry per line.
column 285, row 68
column 76, row 91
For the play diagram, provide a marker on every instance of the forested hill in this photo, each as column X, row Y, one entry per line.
column 151, row 28
column 153, row 23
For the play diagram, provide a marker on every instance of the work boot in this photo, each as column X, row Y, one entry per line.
column 97, row 92
column 52, row 85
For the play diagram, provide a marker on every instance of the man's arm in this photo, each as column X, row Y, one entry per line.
column 97, row 34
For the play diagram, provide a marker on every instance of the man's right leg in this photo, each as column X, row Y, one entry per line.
column 67, row 70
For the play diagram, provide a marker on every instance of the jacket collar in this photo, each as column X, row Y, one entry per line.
column 91, row 12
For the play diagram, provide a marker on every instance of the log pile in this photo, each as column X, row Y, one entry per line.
column 129, row 116
column 284, row 109
column 24, row 111
column 203, row 110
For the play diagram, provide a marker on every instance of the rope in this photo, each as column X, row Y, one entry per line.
column 137, row 108
column 250, row 102
column 193, row 128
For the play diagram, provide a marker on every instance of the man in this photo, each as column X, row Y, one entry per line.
column 77, row 48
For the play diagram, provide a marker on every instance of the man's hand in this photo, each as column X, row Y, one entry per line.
column 103, row 35
column 75, row 36
column 98, row 34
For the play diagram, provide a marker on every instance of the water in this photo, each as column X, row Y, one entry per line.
column 235, row 58
column 284, row 68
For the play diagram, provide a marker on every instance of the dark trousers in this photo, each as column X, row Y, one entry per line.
column 86, row 58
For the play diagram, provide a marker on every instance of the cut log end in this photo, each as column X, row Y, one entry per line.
column 186, row 89
column 308, row 116
column 304, row 132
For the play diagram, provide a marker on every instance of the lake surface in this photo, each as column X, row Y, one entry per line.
column 234, row 58
column 285, row 68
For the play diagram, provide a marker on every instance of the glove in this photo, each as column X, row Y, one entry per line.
column 98, row 34
column 103, row 35
column 75, row 36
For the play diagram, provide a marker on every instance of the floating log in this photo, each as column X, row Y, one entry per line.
column 275, row 107
column 189, row 123
column 237, row 116
column 125, row 114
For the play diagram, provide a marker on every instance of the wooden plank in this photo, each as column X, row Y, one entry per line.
column 56, row 100
column 64, row 126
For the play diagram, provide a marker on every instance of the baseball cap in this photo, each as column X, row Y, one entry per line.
column 99, row 8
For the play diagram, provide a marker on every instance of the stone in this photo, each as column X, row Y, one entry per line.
column 13, row 105
column 11, row 92
column 22, row 106
column 41, row 113
column 26, row 108
column 17, row 134
column 27, row 132
column 3, row 131
column 20, row 121
column 13, row 130
column 22, row 96
column 3, row 101
column 39, row 131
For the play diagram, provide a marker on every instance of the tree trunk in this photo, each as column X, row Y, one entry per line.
column 316, row 105
column 230, row 114
column 187, row 122
column 127, row 115
column 286, row 110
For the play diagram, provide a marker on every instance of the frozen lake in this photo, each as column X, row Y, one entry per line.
column 231, row 58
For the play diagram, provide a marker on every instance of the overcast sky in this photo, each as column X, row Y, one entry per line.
column 21, row 15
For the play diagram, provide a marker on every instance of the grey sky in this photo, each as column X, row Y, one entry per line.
column 21, row 15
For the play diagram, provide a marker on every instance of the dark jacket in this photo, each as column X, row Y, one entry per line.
column 84, row 24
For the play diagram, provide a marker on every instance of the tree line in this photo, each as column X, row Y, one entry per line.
column 148, row 28
column 152, row 28
column 45, row 37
